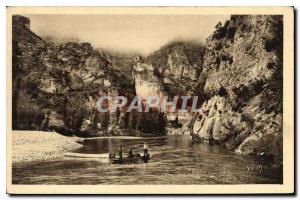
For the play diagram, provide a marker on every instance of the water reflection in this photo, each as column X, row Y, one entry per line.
column 175, row 160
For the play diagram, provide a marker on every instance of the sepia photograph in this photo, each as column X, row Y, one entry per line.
column 150, row 100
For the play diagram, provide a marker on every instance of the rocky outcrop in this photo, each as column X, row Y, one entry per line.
column 21, row 32
column 173, row 70
column 243, row 73
column 47, row 76
column 147, row 83
column 178, row 65
column 245, row 52
column 59, row 85
column 221, row 123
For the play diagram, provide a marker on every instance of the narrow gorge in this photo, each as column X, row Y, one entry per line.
column 237, row 75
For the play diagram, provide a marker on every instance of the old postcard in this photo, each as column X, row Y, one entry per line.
column 150, row 100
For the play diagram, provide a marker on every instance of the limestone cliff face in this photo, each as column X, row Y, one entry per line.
column 21, row 31
column 76, row 66
column 58, row 68
column 178, row 65
column 147, row 83
column 47, row 75
column 243, row 72
column 246, row 50
column 172, row 70
column 56, row 86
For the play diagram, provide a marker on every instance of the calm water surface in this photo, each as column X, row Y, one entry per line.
column 175, row 160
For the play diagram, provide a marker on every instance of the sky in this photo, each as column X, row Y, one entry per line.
column 126, row 33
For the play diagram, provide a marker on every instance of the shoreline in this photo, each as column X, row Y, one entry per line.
column 124, row 137
column 30, row 146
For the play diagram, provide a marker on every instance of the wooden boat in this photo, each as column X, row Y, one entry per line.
column 127, row 160
column 86, row 155
column 110, row 157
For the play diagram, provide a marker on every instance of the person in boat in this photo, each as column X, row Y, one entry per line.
column 130, row 154
column 145, row 148
column 121, row 153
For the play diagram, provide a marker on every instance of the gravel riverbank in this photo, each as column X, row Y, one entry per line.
column 38, row 145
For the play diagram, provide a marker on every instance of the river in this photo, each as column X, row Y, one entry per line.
column 175, row 160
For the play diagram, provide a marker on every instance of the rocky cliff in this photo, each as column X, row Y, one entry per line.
column 243, row 73
column 56, row 86
column 48, row 76
column 172, row 70
column 147, row 81
column 177, row 66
